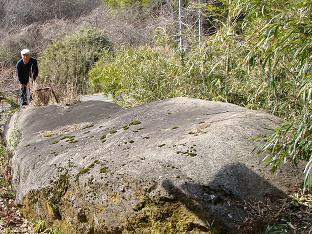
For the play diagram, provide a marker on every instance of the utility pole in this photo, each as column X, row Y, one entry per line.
column 200, row 23
column 180, row 25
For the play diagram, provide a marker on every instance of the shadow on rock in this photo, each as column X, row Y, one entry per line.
column 236, row 200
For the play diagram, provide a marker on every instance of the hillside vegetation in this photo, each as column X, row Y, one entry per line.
column 36, row 24
column 252, row 53
column 25, row 12
column 260, row 58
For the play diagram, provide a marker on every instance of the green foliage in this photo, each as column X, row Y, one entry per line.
column 137, row 75
column 8, row 231
column 217, row 70
column 104, row 169
column 41, row 226
column 13, row 104
column 4, row 160
column 3, row 152
column 277, row 228
column 259, row 58
column 14, row 138
column 66, row 62
column 282, row 48
column 292, row 141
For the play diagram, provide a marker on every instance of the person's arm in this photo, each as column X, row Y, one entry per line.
column 35, row 70
column 19, row 72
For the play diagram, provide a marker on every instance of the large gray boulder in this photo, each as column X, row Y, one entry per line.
column 182, row 165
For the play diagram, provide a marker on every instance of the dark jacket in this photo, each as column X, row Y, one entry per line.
column 25, row 71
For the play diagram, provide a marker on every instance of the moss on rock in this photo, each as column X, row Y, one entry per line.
column 168, row 217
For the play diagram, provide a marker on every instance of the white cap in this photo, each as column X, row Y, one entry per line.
column 25, row 51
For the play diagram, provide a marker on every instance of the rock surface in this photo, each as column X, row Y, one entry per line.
column 179, row 164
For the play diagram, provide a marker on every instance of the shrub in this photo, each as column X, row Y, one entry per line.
column 8, row 56
column 138, row 75
column 14, row 139
column 281, row 47
column 66, row 62
column 208, row 72
column 3, row 154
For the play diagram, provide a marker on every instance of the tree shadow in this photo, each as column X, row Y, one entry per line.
column 230, row 200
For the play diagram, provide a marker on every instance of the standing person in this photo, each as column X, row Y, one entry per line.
column 26, row 68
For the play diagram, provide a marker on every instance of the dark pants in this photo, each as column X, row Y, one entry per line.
column 23, row 97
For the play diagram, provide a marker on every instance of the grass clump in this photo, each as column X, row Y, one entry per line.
column 88, row 126
column 14, row 138
column 4, row 164
column 104, row 169
column 103, row 138
column 86, row 170
column 3, row 153
column 48, row 133
column 69, row 139
column 135, row 122
column 41, row 226
column 112, row 132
